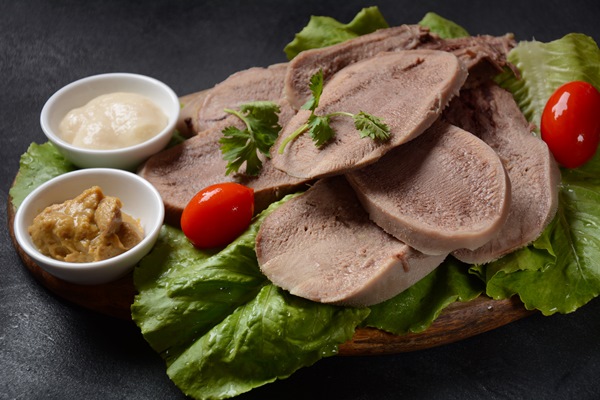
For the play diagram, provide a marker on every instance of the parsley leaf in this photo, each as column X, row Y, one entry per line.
column 319, row 129
column 318, row 126
column 316, row 88
column 371, row 126
column 242, row 146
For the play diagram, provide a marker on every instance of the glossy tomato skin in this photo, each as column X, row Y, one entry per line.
column 570, row 123
column 218, row 214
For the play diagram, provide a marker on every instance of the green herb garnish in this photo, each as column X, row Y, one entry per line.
column 242, row 146
column 318, row 125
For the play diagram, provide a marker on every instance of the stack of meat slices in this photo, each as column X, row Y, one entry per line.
column 461, row 174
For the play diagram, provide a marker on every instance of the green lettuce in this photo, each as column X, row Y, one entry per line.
column 184, row 292
column 445, row 28
column 266, row 339
column 326, row 31
column 40, row 163
column 220, row 325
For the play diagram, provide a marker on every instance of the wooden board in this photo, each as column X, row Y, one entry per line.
column 458, row 321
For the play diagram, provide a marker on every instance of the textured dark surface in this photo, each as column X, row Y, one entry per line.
column 50, row 349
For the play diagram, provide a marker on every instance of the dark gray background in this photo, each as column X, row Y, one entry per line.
column 50, row 349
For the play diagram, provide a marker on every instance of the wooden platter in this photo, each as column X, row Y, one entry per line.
column 458, row 321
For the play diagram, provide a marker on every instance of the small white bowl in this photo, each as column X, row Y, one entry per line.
column 80, row 92
column 140, row 200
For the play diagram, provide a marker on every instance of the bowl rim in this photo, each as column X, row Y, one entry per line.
column 34, row 253
column 52, row 100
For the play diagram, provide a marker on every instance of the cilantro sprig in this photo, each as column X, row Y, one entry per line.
column 319, row 128
column 243, row 146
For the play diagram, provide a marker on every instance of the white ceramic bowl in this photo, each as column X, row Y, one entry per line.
column 80, row 92
column 140, row 200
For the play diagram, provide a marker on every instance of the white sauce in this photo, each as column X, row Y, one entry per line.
column 113, row 121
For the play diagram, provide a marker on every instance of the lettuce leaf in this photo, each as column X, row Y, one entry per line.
column 184, row 292
column 415, row 309
column 40, row 163
column 268, row 338
column 326, row 31
column 220, row 325
column 445, row 28
column 546, row 66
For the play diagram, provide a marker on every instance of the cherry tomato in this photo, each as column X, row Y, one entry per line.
column 218, row 214
column 570, row 123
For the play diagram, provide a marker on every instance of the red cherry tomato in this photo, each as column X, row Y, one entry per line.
column 571, row 123
column 218, row 214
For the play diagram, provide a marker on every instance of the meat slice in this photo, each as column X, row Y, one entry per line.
column 482, row 55
column 188, row 116
column 204, row 109
column 333, row 58
column 180, row 172
column 252, row 84
column 407, row 89
column 442, row 191
column 322, row 246
column 491, row 113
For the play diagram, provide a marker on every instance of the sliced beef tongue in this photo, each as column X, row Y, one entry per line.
column 333, row 58
column 482, row 55
column 442, row 191
column 322, row 246
column 180, row 172
column 491, row 113
column 187, row 123
column 407, row 89
column 203, row 110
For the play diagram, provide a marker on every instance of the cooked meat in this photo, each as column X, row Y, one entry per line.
column 252, row 84
column 484, row 55
column 188, row 115
column 442, row 191
column 180, row 172
column 481, row 55
column 491, row 113
column 333, row 58
column 407, row 89
column 322, row 246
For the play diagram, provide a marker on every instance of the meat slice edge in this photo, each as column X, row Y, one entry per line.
column 322, row 246
column 442, row 191
column 190, row 105
column 336, row 57
column 253, row 84
column 203, row 110
column 483, row 55
column 407, row 89
column 491, row 113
